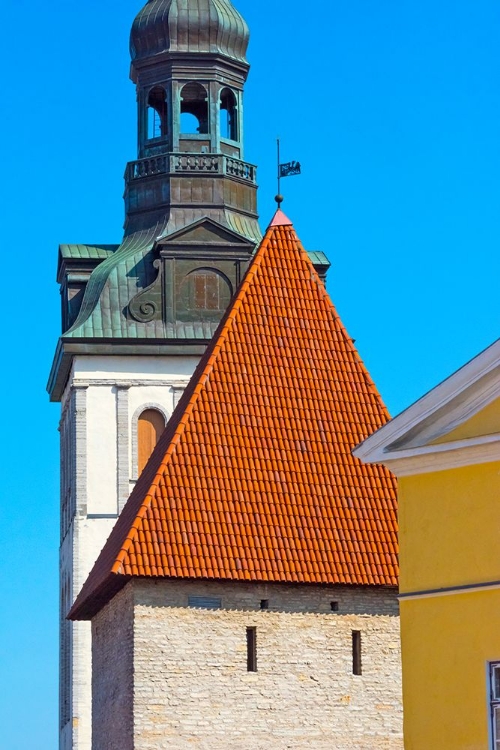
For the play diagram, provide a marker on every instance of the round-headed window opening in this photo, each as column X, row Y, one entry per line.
column 228, row 115
column 157, row 113
column 150, row 426
column 194, row 109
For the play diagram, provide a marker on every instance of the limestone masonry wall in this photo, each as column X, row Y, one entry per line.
column 191, row 684
column 112, row 680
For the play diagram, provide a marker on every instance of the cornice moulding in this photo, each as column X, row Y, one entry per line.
column 129, row 382
column 442, row 457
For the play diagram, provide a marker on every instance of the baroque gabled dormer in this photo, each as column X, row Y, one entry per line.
column 189, row 66
column 199, row 269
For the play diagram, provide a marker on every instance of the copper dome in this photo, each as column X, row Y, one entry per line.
column 205, row 26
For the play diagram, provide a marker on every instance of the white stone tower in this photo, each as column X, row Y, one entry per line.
column 137, row 316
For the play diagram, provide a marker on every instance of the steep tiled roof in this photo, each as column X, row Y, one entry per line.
column 254, row 479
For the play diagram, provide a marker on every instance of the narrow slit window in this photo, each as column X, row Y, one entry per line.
column 356, row 653
column 251, row 649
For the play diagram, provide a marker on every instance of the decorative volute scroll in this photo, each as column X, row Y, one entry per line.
column 147, row 305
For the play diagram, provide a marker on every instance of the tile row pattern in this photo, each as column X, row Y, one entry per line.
column 254, row 478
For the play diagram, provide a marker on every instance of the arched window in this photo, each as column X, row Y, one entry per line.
column 194, row 109
column 228, row 115
column 151, row 425
column 157, row 113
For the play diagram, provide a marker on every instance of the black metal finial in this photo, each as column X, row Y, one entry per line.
column 279, row 200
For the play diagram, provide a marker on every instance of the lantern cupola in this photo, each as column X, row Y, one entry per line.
column 189, row 66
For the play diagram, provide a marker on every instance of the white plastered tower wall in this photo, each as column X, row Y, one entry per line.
column 100, row 407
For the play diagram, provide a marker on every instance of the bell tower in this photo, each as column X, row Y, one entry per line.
column 137, row 316
column 189, row 66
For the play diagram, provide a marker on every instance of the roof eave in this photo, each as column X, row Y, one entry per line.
column 91, row 606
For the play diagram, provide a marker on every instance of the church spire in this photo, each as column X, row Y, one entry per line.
column 189, row 66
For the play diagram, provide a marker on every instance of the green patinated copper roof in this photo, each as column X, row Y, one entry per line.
column 204, row 26
column 318, row 258
column 88, row 252
column 128, row 268
column 118, row 279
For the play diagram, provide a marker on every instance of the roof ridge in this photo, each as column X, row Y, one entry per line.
column 280, row 219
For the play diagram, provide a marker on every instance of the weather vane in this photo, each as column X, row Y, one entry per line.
column 285, row 170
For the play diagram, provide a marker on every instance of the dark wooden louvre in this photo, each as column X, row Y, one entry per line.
column 251, row 649
column 356, row 652
column 206, row 291
column 150, row 427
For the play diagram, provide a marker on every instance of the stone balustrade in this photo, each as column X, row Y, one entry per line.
column 198, row 164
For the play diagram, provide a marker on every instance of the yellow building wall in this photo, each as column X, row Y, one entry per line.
column 450, row 537
column 449, row 525
column 447, row 642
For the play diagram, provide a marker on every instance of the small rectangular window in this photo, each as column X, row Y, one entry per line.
column 334, row 606
column 356, row 652
column 264, row 603
column 205, row 602
column 251, row 649
column 495, row 704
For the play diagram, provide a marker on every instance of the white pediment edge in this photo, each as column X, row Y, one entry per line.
column 469, row 390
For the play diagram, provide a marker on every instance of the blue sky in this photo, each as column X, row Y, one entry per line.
column 393, row 109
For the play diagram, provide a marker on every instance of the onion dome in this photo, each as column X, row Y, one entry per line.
column 205, row 26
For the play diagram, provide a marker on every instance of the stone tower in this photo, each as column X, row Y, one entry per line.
column 137, row 316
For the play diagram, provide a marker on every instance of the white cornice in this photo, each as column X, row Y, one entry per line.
column 444, row 456
column 130, row 382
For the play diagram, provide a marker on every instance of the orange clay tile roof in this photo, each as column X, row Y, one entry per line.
column 254, row 479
